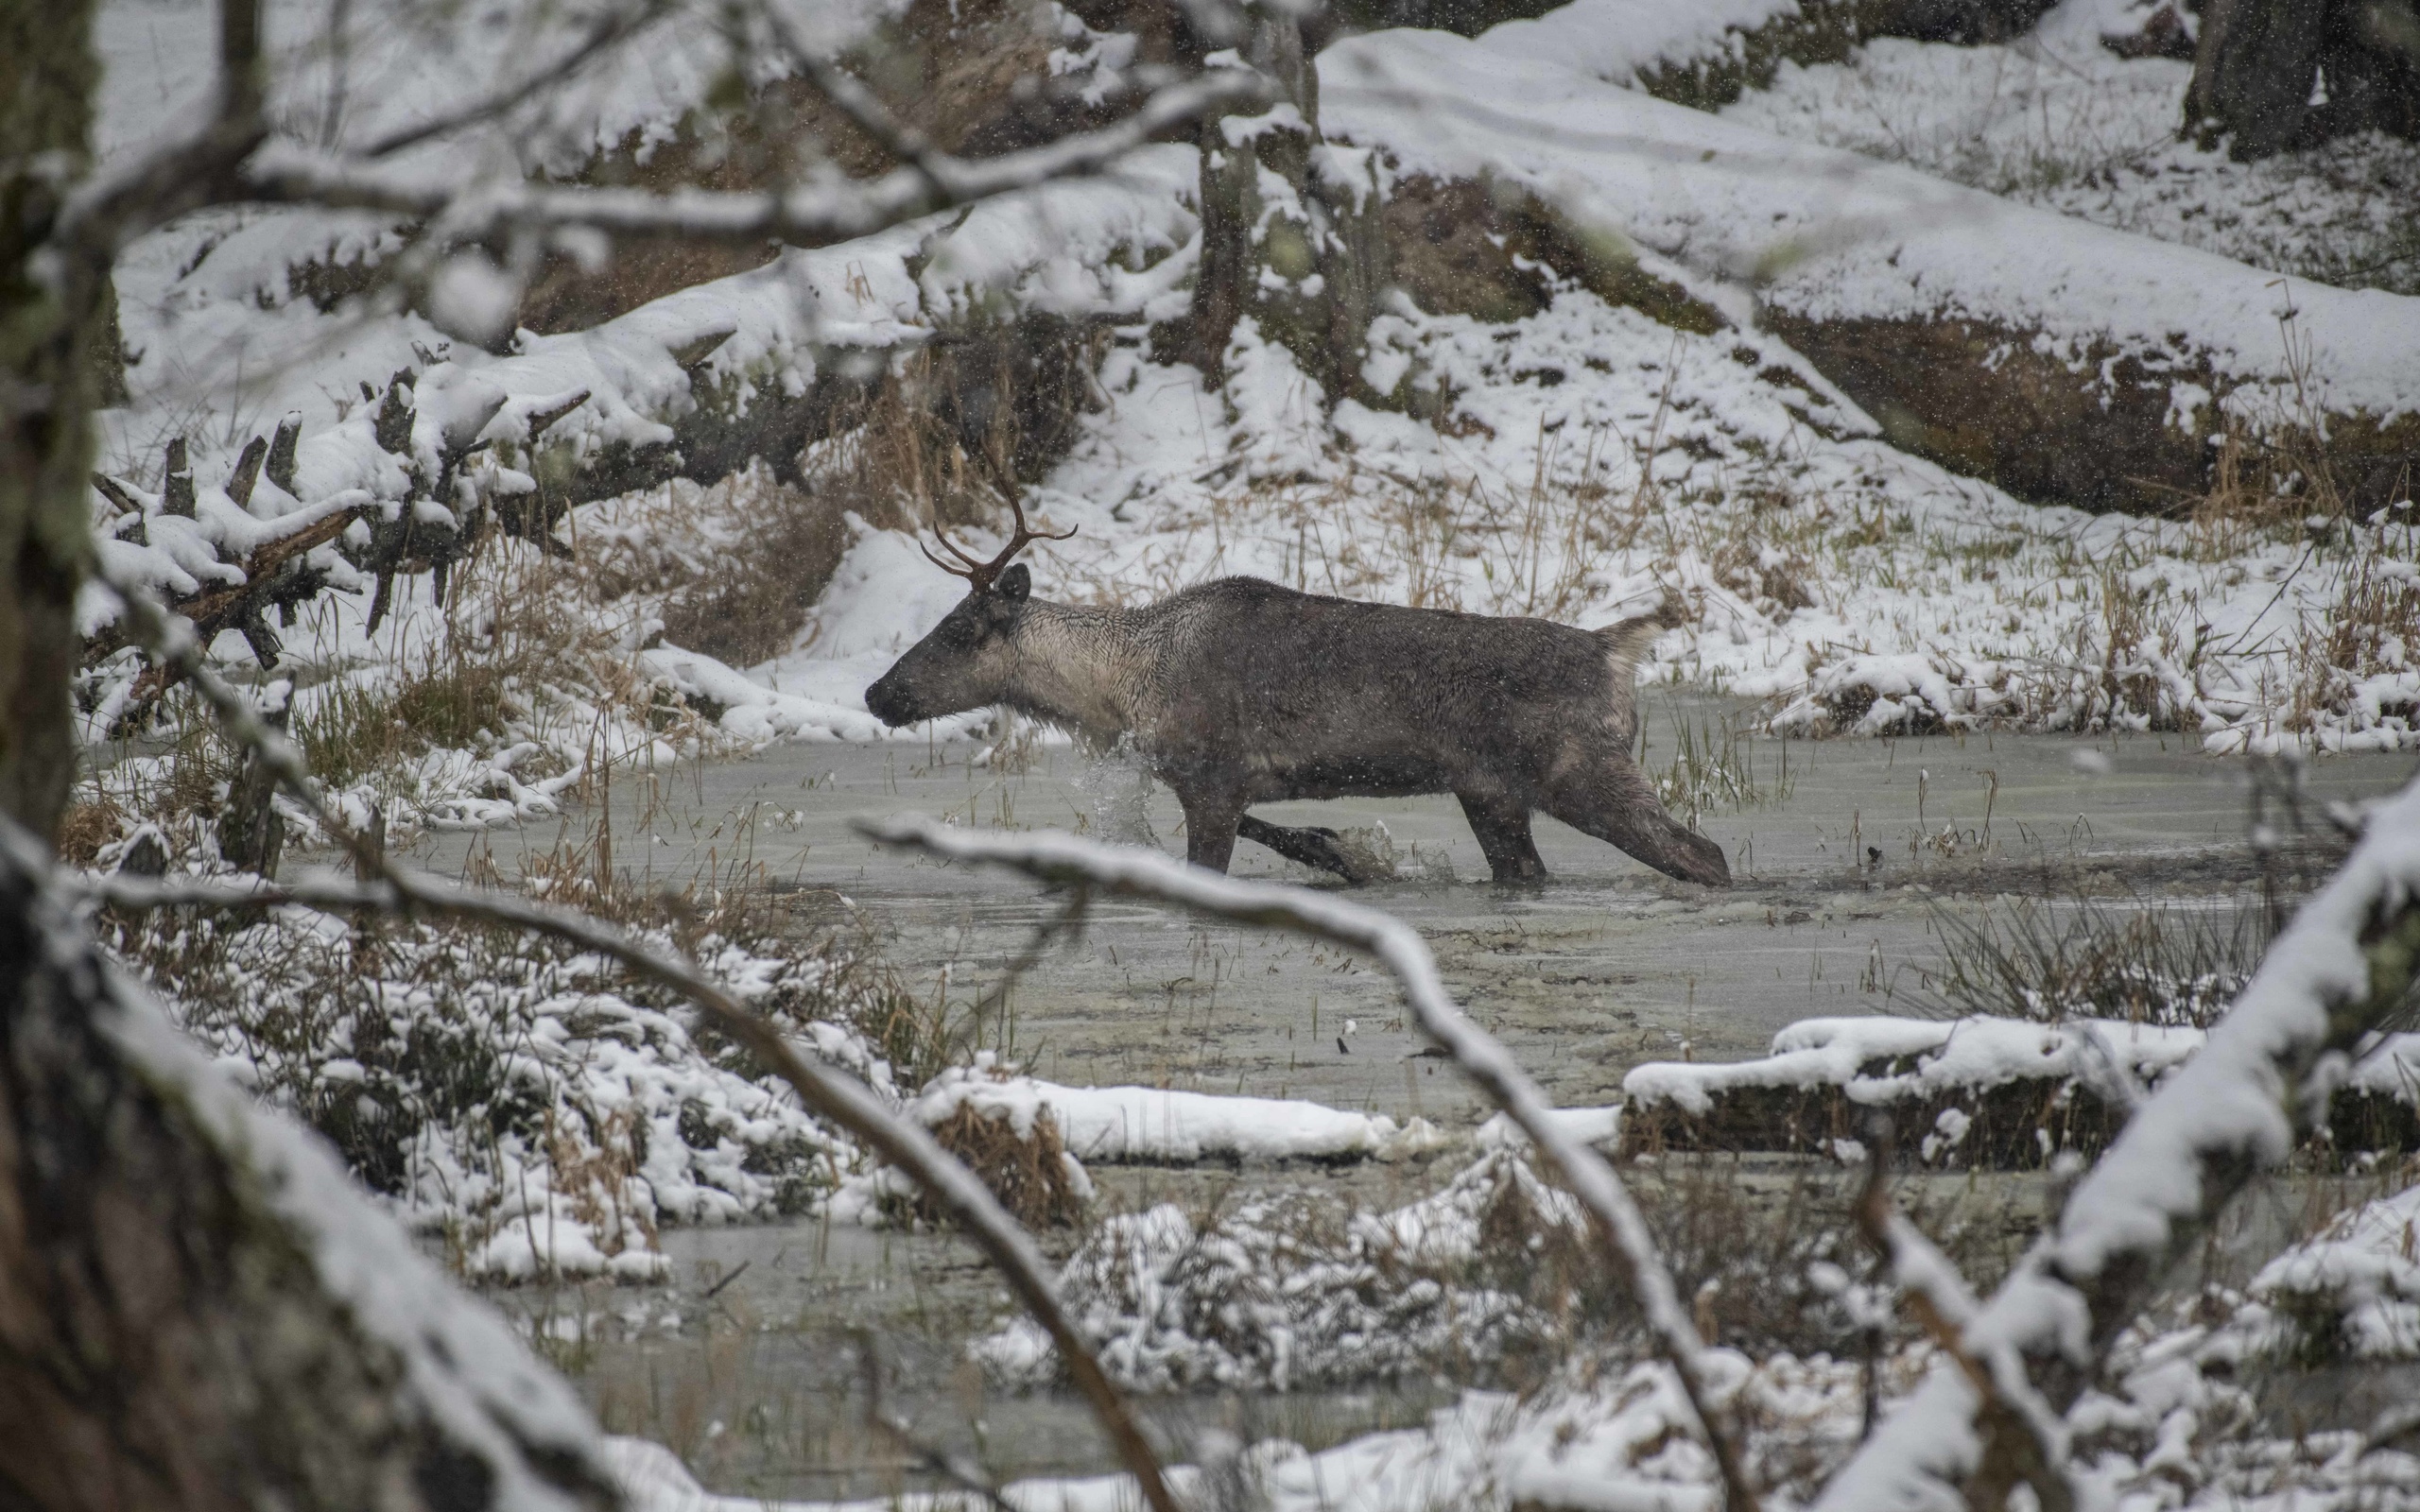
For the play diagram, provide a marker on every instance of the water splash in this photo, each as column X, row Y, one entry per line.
column 1116, row 786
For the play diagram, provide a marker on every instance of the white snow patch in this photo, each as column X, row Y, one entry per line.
column 1151, row 1124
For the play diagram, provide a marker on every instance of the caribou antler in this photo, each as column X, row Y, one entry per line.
column 984, row 574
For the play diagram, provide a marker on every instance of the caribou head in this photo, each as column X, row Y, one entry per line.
column 971, row 658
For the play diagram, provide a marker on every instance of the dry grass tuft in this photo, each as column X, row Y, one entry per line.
column 2146, row 962
column 753, row 608
column 732, row 569
column 1031, row 1174
column 88, row 826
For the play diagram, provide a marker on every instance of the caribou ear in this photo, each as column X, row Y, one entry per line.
column 1016, row 584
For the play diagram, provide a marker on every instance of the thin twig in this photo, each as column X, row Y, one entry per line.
column 113, row 207
column 842, row 1099
column 1939, row 1297
column 960, row 1472
column 608, row 30
column 851, row 97
column 827, row 209
column 1138, row 873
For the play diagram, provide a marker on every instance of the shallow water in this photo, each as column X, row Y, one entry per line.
column 1839, row 888
column 763, row 1384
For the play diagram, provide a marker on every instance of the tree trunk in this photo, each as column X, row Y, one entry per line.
column 53, row 319
column 2370, row 63
column 2261, row 63
column 198, row 1310
column 1290, row 225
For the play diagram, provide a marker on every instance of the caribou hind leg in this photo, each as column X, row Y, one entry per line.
column 1314, row 846
column 1502, row 826
column 1604, row 794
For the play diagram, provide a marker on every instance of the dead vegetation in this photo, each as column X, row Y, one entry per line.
column 1031, row 1174
column 2133, row 960
column 733, row 569
column 1714, row 768
column 964, row 73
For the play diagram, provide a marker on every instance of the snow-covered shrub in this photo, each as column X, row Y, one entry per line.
column 2351, row 1291
column 1279, row 1293
column 537, row 1110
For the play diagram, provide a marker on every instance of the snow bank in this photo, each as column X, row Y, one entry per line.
column 1615, row 40
column 1148, row 1123
column 1996, row 1092
column 1833, row 236
column 407, row 64
column 1590, row 1125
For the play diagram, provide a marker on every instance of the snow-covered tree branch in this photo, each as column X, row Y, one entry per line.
column 2348, row 962
column 831, row 209
column 400, row 890
column 1066, row 860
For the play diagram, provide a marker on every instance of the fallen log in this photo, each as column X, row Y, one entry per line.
column 1980, row 1094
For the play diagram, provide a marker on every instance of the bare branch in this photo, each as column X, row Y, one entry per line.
column 1940, row 1299
column 1137, row 873
column 838, row 1097
column 2340, row 970
column 112, row 209
column 830, row 209
column 608, row 30
column 852, row 98
column 961, row 1472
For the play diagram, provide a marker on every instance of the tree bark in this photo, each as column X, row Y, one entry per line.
column 1289, row 226
column 2261, row 63
column 2370, row 63
column 55, row 314
column 171, row 1334
column 2253, row 72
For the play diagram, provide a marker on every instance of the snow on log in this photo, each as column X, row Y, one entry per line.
column 1978, row 1094
column 1151, row 1124
column 757, row 364
column 2344, row 965
column 2060, row 360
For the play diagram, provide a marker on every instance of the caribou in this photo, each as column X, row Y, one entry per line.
column 1240, row 692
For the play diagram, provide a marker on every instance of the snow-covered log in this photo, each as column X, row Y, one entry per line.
column 1977, row 1094
column 2341, row 967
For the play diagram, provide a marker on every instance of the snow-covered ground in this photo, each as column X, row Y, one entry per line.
column 2059, row 121
column 1589, row 461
